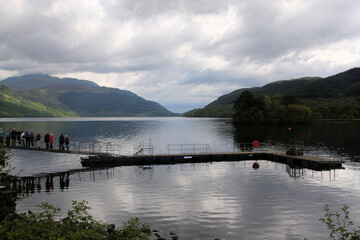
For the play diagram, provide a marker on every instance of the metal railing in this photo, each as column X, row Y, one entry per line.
column 96, row 147
column 144, row 148
column 187, row 148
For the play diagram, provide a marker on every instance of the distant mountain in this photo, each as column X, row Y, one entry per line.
column 33, row 81
column 334, row 93
column 15, row 104
column 292, row 87
column 72, row 97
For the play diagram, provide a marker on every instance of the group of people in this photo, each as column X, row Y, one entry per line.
column 29, row 139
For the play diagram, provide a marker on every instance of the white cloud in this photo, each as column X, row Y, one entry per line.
column 182, row 54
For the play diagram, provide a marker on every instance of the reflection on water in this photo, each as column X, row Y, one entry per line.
column 45, row 182
column 206, row 201
column 227, row 200
column 319, row 138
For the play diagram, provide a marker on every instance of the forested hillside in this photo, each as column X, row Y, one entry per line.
column 336, row 96
column 14, row 104
column 33, row 81
column 263, row 109
column 45, row 96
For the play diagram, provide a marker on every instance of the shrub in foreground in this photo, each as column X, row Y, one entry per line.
column 339, row 224
column 78, row 224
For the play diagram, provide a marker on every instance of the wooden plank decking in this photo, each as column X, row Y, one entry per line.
column 104, row 159
column 310, row 162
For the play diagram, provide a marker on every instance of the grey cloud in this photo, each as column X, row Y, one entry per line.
column 146, row 9
column 265, row 41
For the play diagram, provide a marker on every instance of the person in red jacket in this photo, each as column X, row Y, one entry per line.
column 51, row 140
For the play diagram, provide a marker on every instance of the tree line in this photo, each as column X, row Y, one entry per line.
column 260, row 109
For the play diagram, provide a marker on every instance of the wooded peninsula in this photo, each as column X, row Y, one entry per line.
column 298, row 100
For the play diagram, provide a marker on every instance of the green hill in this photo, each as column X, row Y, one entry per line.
column 38, row 80
column 332, row 97
column 43, row 95
column 14, row 104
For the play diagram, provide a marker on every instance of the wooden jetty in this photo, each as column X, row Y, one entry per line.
column 55, row 150
column 309, row 162
column 106, row 159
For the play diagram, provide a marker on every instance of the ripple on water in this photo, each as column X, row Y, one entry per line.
column 218, row 200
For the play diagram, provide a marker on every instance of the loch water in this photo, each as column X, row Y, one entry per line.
column 222, row 200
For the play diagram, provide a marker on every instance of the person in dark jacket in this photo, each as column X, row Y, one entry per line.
column 32, row 139
column 61, row 141
column 67, row 142
column 47, row 139
column 18, row 137
column 13, row 137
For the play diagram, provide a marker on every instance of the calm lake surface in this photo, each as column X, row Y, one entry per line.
column 225, row 200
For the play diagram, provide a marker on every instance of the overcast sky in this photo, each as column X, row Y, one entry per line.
column 182, row 54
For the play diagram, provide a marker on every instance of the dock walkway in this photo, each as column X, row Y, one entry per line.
column 310, row 162
column 55, row 150
column 106, row 159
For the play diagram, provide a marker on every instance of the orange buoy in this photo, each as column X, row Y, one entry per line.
column 255, row 166
column 256, row 143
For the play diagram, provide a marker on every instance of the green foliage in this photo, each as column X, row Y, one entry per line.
column 324, row 108
column 332, row 97
column 15, row 104
column 339, row 224
column 262, row 109
column 5, row 160
column 220, row 111
column 7, row 197
column 73, row 100
column 78, row 224
column 134, row 229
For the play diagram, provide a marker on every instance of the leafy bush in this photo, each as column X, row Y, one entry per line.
column 339, row 224
column 5, row 160
column 78, row 224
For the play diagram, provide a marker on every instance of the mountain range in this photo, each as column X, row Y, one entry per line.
column 40, row 95
column 335, row 96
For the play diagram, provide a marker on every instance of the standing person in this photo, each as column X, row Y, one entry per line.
column 1, row 136
column 27, row 138
column 32, row 138
column 13, row 137
column 67, row 142
column 47, row 139
column 61, row 141
column 51, row 140
column 22, row 136
column 38, row 137
column 8, row 137
column 18, row 137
